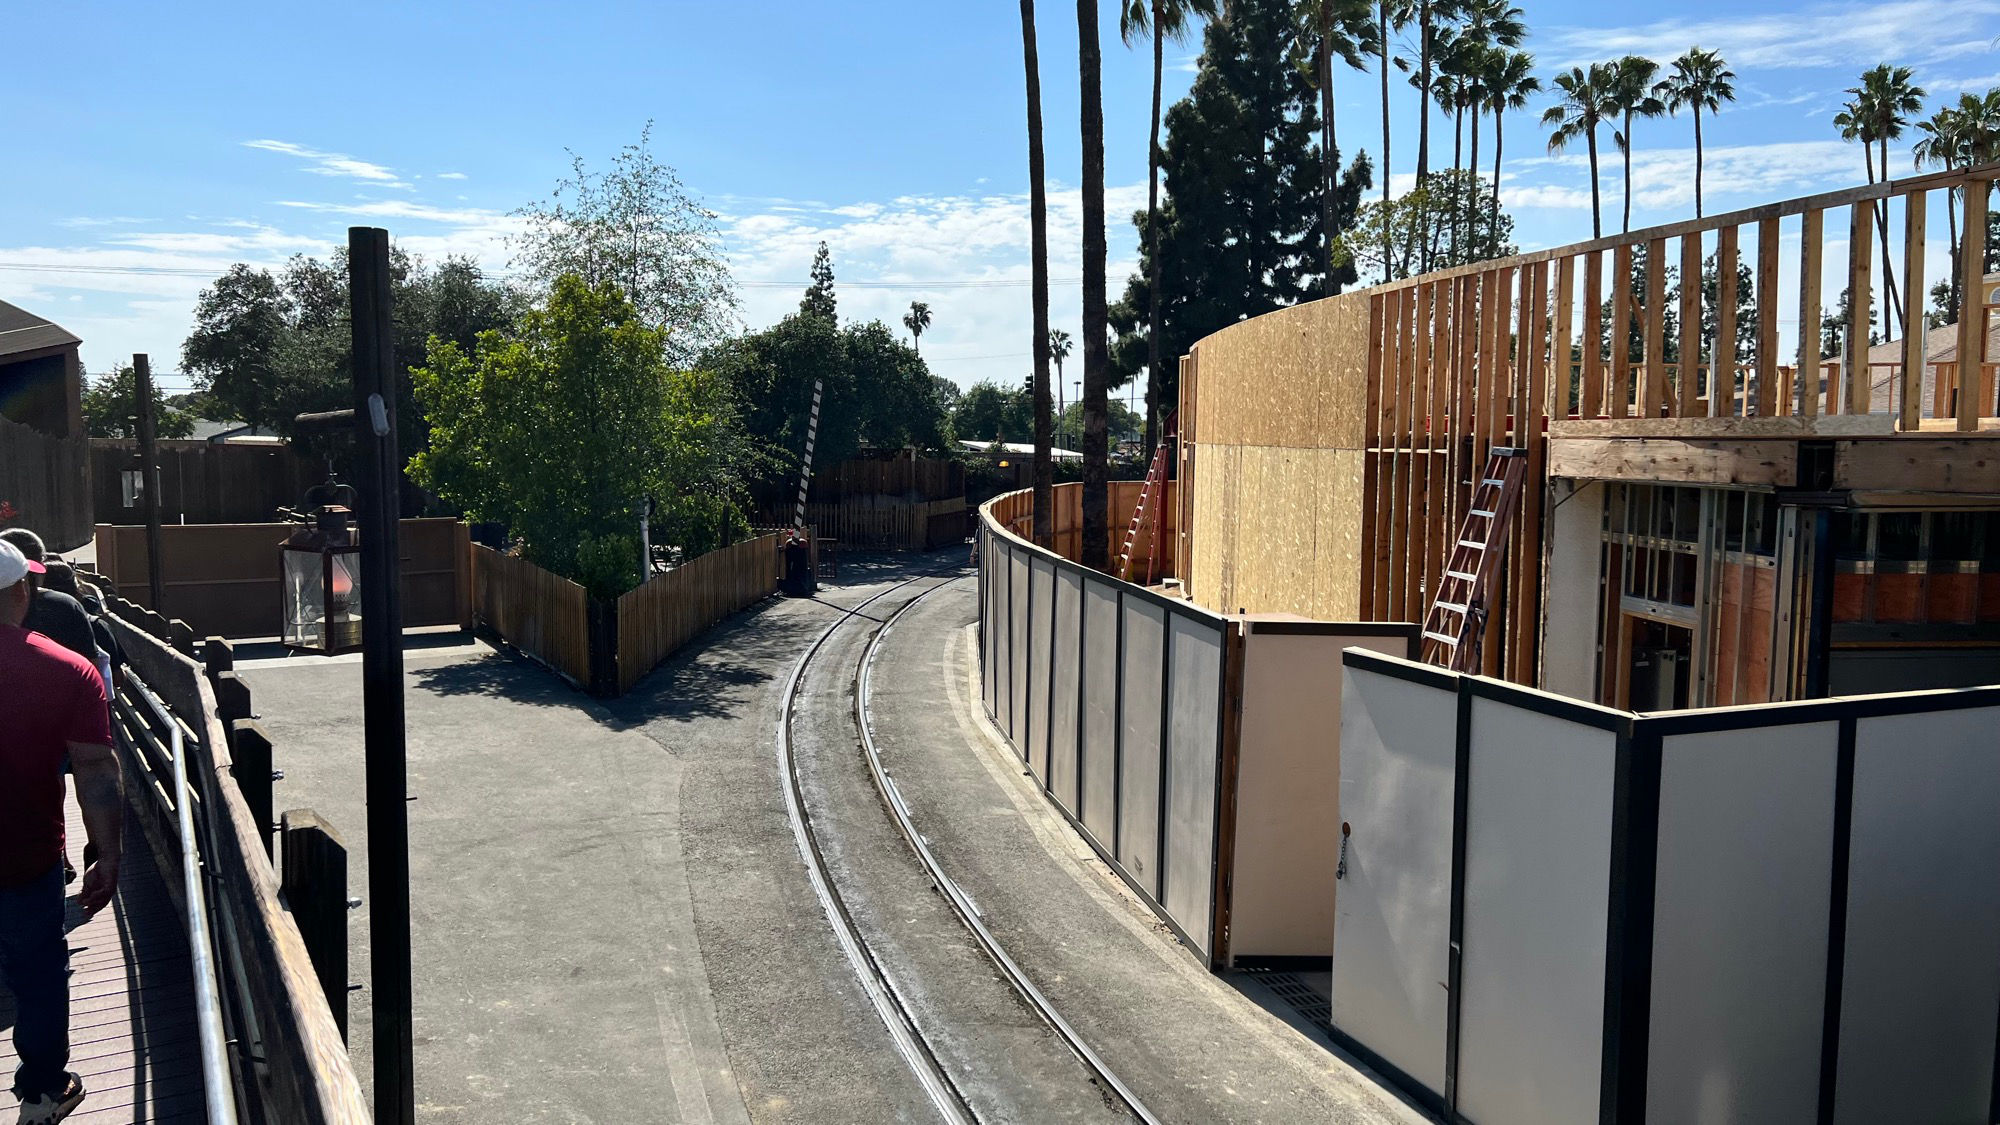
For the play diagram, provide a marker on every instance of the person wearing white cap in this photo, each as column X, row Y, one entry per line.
column 52, row 704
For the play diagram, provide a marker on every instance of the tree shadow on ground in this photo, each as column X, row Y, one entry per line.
column 503, row 674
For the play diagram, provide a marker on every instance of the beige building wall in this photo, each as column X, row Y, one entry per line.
column 1275, row 419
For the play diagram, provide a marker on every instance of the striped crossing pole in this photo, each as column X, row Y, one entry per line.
column 806, row 467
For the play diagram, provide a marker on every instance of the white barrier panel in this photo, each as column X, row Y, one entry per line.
column 1398, row 740
column 1194, row 749
column 1065, row 679
column 1741, row 893
column 1017, row 650
column 1041, row 606
column 1921, row 980
column 1099, row 774
column 1537, row 865
column 1145, row 654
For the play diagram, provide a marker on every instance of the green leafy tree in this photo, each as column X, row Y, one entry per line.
column 1425, row 215
column 989, row 411
column 564, row 426
column 240, row 321
column 111, row 408
column 1699, row 80
column 819, row 300
column 1240, row 228
column 637, row 227
column 1584, row 103
column 1158, row 20
column 1124, row 424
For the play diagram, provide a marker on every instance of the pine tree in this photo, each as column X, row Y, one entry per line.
column 819, row 300
column 1240, row 227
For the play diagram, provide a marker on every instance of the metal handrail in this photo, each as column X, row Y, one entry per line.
column 218, row 1086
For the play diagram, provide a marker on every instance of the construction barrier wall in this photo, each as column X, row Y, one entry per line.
column 1781, row 912
column 1127, row 706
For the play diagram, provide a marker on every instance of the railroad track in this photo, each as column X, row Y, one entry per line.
column 888, row 1000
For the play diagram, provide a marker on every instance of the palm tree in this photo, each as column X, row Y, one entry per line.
column 1883, row 103
column 1487, row 28
column 1059, row 348
column 1632, row 97
column 1389, row 15
column 1096, row 547
column 1038, row 248
column 1509, row 85
column 918, row 319
column 1327, row 29
column 1943, row 144
column 1166, row 19
column 1585, row 103
column 1699, row 80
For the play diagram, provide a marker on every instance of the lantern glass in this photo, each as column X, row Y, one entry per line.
column 322, row 595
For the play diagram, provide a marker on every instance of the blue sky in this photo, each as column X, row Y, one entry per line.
column 152, row 145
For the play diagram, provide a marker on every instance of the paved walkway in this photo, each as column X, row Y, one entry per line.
column 132, row 1031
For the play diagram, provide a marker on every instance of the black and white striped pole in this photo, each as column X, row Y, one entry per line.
column 806, row 466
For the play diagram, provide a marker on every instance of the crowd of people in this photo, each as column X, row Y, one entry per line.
column 58, row 669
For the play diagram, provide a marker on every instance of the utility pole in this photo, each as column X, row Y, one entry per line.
column 149, row 475
column 378, row 471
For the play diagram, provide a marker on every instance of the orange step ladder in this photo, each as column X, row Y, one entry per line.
column 1146, row 512
column 1457, row 619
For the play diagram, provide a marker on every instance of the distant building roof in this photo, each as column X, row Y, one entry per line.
column 22, row 331
column 1019, row 448
column 232, row 433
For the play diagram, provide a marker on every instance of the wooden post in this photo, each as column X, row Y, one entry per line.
column 1972, row 305
column 217, row 656
column 1807, row 388
column 232, row 697
column 250, row 754
column 1561, row 336
column 1722, row 360
column 315, row 891
column 1655, row 315
column 1621, row 397
column 1909, row 408
column 181, row 637
column 1860, row 301
column 1767, row 317
column 1690, row 343
column 149, row 470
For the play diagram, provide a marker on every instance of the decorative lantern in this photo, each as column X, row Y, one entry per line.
column 322, row 585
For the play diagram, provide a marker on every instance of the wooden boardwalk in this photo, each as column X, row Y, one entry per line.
column 131, row 1001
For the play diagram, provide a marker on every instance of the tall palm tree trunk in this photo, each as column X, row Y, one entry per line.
column 1951, row 226
column 1156, row 383
column 1096, row 546
column 1424, row 91
column 1382, row 30
column 1472, row 165
column 1596, row 209
column 1038, row 241
column 1893, row 302
column 1499, row 143
column 1626, row 225
column 1697, row 160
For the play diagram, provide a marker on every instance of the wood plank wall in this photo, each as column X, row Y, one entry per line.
column 674, row 608
column 876, row 522
column 543, row 615
column 1015, row 512
column 1421, row 377
column 45, row 483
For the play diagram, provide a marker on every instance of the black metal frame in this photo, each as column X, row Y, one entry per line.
column 1634, row 845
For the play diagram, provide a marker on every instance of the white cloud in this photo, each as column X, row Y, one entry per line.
column 331, row 163
column 451, row 175
column 1850, row 35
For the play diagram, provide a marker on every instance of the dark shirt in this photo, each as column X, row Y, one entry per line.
column 60, row 618
column 101, row 633
column 49, row 698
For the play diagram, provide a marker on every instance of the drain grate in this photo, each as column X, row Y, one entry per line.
column 1298, row 995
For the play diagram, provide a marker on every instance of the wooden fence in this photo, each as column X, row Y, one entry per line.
column 45, row 483
column 674, row 608
column 1016, row 511
column 922, row 478
column 607, row 647
column 542, row 614
column 881, row 523
column 224, row 579
column 201, row 481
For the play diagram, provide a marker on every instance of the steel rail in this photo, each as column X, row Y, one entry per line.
column 219, row 1092
column 968, row 911
column 888, row 1003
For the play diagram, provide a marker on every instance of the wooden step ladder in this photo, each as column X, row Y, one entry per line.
column 1146, row 512
column 1457, row 619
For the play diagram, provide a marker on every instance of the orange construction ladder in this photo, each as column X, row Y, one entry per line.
column 1457, row 619
column 1146, row 512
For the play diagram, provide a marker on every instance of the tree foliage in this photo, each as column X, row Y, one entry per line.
column 563, row 426
column 1240, row 228
column 990, row 411
column 1427, row 216
column 111, row 408
column 637, row 227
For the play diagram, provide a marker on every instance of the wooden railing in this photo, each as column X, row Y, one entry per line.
column 1487, row 354
column 678, row 606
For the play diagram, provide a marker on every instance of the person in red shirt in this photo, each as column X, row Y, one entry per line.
column 52, row 704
